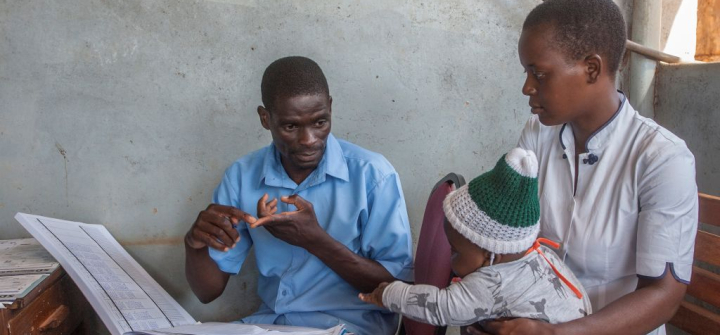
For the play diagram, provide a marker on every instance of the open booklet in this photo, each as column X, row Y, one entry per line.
column 122, row 293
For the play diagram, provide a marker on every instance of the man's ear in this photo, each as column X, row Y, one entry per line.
column 593, row 67
column 330, row 103
column 264, row 115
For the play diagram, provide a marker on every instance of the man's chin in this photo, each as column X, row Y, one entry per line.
column 307, row 165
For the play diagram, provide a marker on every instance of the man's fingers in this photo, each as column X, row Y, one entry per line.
column 219, row 225
column 298, row 201
column 219, row 228
column 272, row 203
column 273, row 219
column 241, row 216
column 235, row 215
column 268, row 220
column 210, row 241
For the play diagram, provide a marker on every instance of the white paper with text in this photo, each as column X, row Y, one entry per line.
column 122, row 293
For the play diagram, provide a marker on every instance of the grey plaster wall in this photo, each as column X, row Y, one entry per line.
column 687, row 103
column 126, row 113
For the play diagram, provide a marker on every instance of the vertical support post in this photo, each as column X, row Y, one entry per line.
column 646, row 22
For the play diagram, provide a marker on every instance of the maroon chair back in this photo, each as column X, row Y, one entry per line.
column 432, row 258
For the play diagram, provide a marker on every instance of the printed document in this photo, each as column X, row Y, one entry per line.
column 122, row 293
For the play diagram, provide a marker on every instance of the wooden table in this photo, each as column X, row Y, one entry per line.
column 55, row 306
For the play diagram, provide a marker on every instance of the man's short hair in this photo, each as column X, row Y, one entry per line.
column 291, row 76
column 583, row 27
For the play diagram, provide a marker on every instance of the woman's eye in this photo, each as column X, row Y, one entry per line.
column 539, row 75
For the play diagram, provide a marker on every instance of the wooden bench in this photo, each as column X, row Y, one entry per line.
column 699, row 314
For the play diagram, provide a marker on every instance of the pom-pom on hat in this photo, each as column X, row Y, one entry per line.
column 499, row 210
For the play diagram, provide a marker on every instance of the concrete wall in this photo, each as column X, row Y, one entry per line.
column 688, row 104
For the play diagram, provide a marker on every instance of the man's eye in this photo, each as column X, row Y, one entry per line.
column 321, row 123
column 290, row 127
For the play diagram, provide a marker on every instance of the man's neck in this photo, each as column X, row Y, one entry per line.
column 295, row 174
column 299, row 177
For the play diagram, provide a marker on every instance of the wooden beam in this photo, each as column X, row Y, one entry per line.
column 651, row 53
column 705, row 286
column 695, row 320
column 707, row 248
column 709, row 209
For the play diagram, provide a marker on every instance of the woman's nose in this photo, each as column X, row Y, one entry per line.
column 528, row 87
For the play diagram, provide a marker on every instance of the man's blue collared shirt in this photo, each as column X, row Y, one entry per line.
column 357, row 199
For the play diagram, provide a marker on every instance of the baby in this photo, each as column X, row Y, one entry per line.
column 492, row 227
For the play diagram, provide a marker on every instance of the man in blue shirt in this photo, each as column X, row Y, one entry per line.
column 341, row 226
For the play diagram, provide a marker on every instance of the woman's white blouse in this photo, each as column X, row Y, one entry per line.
column 635, row 209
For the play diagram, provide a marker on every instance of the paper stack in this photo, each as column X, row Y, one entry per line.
column 24, row 263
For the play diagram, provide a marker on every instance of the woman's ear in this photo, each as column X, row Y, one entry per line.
column 264, row 115
column 593, row 67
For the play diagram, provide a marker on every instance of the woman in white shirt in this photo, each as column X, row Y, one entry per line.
column 616, row 188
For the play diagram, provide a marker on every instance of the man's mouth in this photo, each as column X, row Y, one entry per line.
column 307, row 156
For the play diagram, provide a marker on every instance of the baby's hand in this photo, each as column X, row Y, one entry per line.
column 376, row 296
column 266, row 208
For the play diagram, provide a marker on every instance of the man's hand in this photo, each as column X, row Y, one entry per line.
column 215, row 228
column 510, row 327
column 266, row 208
column 376, row 296
column 298, row 227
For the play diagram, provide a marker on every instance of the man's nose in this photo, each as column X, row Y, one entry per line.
column 307, row 137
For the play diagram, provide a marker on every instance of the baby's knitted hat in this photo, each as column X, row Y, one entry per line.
column 499, row 210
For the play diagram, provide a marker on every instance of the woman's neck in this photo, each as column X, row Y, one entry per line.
column 601, row 110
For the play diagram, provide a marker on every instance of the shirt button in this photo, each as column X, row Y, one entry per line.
column 284, row 293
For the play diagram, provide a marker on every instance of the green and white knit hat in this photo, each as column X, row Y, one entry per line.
column 499, row 210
